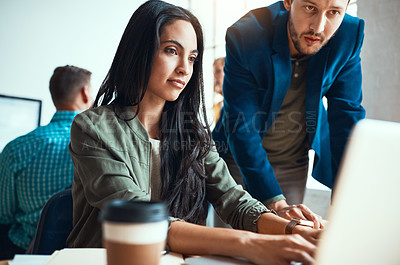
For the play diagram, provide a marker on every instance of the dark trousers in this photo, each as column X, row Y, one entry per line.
column 8, row 249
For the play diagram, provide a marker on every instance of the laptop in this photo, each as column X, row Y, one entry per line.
column 364, row 218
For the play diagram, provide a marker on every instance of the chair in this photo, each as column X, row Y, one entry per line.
column 55, row 224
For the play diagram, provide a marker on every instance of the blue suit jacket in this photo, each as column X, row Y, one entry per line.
column 257, row 77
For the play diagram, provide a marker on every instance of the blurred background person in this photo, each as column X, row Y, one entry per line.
column 35, row 166
column 218, row 67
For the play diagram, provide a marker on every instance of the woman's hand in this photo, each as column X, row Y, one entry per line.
column 308, row 233
column 296, row 211
column 259, row 248
column 279, row 249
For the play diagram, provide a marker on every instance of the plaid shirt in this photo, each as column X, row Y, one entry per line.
column 33, row 167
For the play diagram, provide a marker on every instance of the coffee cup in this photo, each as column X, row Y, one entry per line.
column 134, row 232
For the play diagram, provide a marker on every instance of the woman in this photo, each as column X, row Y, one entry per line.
column 145, row 140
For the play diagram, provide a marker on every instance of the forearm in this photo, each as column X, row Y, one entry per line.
column 191, row 239
column 299, row 211
column 271, row 224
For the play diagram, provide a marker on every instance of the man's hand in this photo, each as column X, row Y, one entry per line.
column 296, row 211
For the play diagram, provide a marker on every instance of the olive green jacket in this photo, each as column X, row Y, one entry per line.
column 111, row 155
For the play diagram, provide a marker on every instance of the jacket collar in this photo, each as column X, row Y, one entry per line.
column 281, row 64
column 128, row 115
column 280, row 42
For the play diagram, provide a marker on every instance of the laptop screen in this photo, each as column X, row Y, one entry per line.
column 363, row 221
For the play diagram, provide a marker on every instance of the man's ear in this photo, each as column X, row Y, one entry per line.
column 85, row 94
column 287, row 4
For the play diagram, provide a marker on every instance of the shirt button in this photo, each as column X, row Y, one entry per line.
column 297, row 63
column 296, row 75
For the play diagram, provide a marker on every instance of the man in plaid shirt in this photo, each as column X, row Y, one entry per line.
column 35, row 166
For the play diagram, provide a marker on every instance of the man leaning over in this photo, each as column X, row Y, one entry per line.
column 281, row 61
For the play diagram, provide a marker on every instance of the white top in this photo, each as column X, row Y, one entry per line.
column 155, row 170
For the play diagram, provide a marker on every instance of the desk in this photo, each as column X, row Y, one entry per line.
column 83, row 256
column 97, row 256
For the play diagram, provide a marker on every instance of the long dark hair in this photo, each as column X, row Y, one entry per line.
column 184, row 133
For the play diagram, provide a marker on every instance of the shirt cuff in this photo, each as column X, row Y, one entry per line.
column 250, row 224
column 274, row 199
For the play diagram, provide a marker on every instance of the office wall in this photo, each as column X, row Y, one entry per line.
column 37, row 36
column 381, row 58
